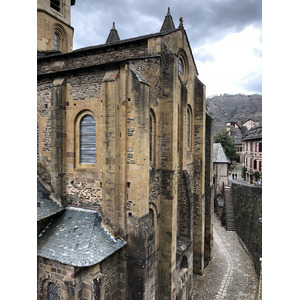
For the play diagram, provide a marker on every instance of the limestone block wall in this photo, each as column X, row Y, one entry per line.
column 44, row 94
column 49, row 23
column 92, row 58
column 103, row 281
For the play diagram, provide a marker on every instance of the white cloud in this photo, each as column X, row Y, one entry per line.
column 232, row 61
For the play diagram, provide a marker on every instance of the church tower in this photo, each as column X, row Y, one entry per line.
column 54, row 30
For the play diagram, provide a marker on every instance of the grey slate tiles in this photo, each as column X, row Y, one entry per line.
column 45, row 206
column 77, row 238
column 219, row 154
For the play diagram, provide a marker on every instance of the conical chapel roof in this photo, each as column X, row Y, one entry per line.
column 168, row 22
column 113, row 35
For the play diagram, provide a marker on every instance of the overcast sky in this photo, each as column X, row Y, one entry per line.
column 225, row 35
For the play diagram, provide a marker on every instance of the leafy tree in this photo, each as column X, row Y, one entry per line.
column 227, row 143
column 244, row 169
column 256, row 175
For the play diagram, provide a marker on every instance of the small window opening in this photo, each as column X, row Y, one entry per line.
column 52, row 291
column 55, row 4
column 183, row 271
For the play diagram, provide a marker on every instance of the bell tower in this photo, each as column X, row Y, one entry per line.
column 54, row 30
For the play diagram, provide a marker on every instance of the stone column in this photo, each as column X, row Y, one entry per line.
column 209, row 204
column 199, row 174
column 57, row 109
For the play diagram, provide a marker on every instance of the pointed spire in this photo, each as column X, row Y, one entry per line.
column 180, row 22
column 113, row 35
column 168, row 22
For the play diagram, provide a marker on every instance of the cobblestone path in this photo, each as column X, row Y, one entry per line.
column 230, row 274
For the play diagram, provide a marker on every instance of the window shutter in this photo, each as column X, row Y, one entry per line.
column 88, row 140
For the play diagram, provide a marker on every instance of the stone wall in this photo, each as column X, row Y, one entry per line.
column 247, row 203
column 113, row 279
column 105, row 281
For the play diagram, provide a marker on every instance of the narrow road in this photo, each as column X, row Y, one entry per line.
column 230, row 274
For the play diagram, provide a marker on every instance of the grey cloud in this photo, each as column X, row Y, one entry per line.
column 205, row 21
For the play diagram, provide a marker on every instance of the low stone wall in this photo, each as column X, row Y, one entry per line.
column 247, row 203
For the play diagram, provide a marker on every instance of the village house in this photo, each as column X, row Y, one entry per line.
column 252, row 146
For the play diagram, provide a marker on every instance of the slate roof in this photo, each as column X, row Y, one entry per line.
column 168, row 23
column 182, row 244
column 45, row 206
column 219, row 154
column 77, row 238
column 236, row 134
column 254, row 133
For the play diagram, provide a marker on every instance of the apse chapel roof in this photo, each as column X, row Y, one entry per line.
column 76, row 237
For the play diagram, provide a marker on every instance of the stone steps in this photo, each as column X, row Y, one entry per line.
column 230, row 221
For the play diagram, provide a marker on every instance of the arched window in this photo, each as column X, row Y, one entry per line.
column 255, row 164
column 56, row 41
column 188, row 127
column 52, row 293
column 88, row 140
column 152, row 137
column 180, row 67
column 151, row 216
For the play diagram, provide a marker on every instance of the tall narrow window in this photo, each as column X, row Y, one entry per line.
column 255, row 164
column 87, row 140
column 151, row 216
column 55, row 4
column 56, row 41
column 38, row 142
column 188, row 127
column 180, row 67
column 152, row 137
column 259, row 166
column 260, row 147
column 52, row 291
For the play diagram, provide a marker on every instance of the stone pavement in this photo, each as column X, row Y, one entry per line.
column 230, row 274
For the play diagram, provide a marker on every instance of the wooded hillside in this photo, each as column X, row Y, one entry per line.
column 232, row 108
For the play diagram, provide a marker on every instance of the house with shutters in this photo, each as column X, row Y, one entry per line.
column 125, row 186
column 252, row 146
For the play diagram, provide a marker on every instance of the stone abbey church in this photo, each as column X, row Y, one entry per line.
column 124, row 163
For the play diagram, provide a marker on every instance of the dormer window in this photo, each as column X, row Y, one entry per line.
column 55, row 4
